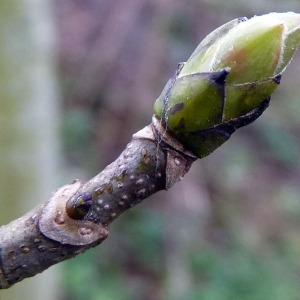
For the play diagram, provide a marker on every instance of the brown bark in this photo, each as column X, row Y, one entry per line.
column 76, row 217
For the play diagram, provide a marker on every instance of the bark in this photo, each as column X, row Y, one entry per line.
column 77, row 215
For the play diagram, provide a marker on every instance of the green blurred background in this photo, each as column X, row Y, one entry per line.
column 231, row 228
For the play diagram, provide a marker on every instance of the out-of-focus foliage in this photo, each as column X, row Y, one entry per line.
column 231, row 228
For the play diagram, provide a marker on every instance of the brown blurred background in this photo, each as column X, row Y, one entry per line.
column 231, row 228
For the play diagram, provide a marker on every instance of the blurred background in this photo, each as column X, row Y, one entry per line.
column 78, row 78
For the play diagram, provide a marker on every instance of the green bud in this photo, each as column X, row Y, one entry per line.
column 203, row 57
column 228, row 80
column 188, row 92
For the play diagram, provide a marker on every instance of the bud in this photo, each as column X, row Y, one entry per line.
column 228, row 80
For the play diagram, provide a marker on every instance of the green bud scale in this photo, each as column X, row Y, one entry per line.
column 228, row 80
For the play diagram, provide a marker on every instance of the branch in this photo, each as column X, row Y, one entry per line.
column 76, row 217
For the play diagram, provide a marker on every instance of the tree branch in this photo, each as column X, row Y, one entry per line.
column 77, row 215
column 198, row 109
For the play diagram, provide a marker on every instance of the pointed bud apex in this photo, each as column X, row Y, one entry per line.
column 228, row 80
